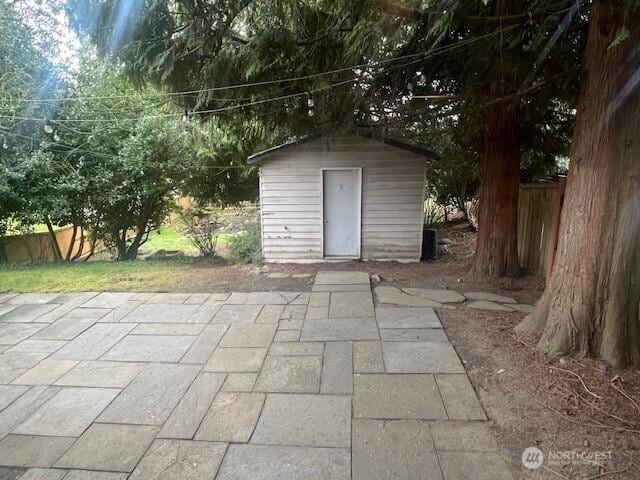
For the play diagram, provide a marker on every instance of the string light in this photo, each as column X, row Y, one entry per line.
column 56, row 137
column 48, row 129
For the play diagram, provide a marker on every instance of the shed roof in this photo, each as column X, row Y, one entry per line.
column 267, row 154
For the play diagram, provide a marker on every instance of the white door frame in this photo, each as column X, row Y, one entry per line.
column 359, row 230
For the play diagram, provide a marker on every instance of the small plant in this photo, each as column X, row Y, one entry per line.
column 245, row 246
column 202, row 228
column 433, row 214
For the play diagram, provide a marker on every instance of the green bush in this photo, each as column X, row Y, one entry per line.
column 246, row 246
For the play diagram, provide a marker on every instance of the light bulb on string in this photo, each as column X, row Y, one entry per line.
column 310, row 112
column 310, row 102
column 5, row 145
column 48, row 129
column 185, row 116
column 56, row 137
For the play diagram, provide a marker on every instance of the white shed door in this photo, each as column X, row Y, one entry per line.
column 341, row 204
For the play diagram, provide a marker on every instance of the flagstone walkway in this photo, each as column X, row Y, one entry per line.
column 261, row 385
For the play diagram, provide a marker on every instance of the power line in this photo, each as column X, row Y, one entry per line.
column 423, row 55
column 105, row 155
column 426, row 54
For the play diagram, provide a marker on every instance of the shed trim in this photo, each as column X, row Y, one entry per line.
column 268, row 153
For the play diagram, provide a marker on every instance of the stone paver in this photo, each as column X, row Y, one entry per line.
column 101, row 374
column 342, row 278
column 260, row 385
column 401, row 449
column 297, row 348
column 231, row 418
column 27, row 312
column 82, row 312
column 109, row 300
column 32, row 451
column 287, row 336
column 488, row 305
column 14, row 364
column 337, row 366
column 491, row 297
column 180, row 460
column 236, row 360
column 237, row 314
column 46, row 372
column 94, row 475
column 307, row 420
column 407, row 318
column 367, row 357
column 168, row 329
column 12, row 333
column 38, row 346
column 420, row 357
column 169, row 313
column 23, row 407
column 149, row 348
column 339, row 329
column 239, row 382
column 270, row 314
column 270, row 462
column 116, row 448
column 94, row 342
column 413, row 335
column 459, row 398
column 151, row 396
column 65, row 329
column 395, row 296
column 68, row 413
column 440, row 296
column 254, row 335
column 8, row 393
column 351, row 304
column 204, row 345
column 43, row 474
column 293, row 374
column 186, row 417
column 381, row 396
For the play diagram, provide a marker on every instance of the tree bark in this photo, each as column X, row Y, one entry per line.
column 53, row 239
column 592, row 301
column 496, row 248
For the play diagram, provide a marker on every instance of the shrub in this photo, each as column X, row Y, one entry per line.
column 246, row 246
column 202, row 228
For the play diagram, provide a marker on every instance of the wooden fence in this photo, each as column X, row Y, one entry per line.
column 36, row 247
column 539, row 208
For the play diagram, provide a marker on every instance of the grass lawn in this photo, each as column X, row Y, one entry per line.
column 169, row 237
column 147, row 275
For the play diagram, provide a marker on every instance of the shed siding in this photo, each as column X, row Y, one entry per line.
column 392, row 197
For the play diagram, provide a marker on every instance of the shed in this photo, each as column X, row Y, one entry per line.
column 327, row 198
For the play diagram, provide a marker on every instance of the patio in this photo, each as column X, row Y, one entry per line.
column 262, row 385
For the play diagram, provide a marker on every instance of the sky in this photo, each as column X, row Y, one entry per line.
column 52, row 31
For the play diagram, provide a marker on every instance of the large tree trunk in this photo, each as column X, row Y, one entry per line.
column 496, row 248
column 592, row 300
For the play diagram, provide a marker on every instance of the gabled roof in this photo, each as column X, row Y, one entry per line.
column 266, row 154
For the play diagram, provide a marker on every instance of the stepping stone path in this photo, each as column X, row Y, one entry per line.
column 424, row 297
column 228, row 386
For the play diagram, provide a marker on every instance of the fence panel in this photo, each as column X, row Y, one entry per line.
column 539, row 209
